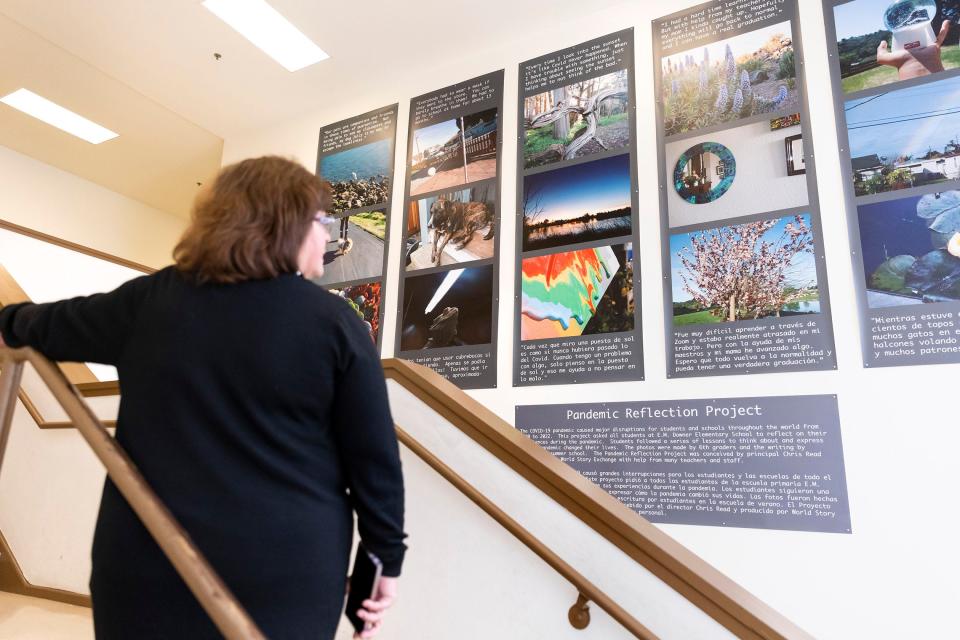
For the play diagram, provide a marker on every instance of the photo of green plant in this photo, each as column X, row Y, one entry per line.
column 911, row 250
column 731, row 79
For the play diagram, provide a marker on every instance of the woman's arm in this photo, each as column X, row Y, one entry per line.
column 368, row 445
column 86, row 329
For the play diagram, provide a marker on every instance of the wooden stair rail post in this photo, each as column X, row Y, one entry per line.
column 214, row 596
column 10, row 374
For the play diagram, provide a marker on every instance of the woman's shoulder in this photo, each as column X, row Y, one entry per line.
column 315, row 298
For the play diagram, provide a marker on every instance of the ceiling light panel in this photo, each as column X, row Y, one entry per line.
column 57, row 116
column 263, row 25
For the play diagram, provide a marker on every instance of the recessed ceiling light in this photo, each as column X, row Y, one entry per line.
column 263, row 25
column 53, row 114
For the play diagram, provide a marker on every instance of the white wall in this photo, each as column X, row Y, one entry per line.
column 899, row 432
column 46, row 199
column 760, row 185
column 49, row 494
column 456, row 549
column 47, row 272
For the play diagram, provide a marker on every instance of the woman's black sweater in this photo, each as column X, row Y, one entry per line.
column 258, row 413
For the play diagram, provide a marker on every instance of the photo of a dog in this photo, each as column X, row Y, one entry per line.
column 451, row 228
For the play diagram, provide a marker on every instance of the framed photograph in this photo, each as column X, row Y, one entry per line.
column 784, row 122
column 794, row 151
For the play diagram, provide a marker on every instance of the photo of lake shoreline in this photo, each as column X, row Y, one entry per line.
column 359, row 177
column 580, row 203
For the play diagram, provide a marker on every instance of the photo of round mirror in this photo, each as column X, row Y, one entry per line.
column 704, row 172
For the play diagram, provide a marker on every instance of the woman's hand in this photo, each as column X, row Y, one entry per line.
column 2, row 343
column 916, row 62
column 373, row 609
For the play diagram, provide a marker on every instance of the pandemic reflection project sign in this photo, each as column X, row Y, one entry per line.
column 765, row 463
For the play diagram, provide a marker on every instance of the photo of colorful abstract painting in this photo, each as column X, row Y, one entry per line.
column 365, row 300
column 575, row 293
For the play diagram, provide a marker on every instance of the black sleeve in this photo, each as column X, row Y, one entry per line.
column 85, row 329
column 368, row 445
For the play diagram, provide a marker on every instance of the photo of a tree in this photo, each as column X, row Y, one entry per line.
column 744, row 272
column 576, row 120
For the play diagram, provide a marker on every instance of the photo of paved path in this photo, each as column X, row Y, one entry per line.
column 422, row 182
column 364, row 260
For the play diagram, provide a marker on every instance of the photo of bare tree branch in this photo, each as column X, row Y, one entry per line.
column 576, row 120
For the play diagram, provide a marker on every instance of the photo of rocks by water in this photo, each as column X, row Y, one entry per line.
column 358, row 176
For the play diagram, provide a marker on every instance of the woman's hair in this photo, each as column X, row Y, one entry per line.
column 252, row 221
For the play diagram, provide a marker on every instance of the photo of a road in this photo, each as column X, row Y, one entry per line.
column 360, row 257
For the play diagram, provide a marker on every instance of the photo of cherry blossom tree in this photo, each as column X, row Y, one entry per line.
column 744, row 272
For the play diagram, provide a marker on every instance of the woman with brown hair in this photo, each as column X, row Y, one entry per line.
column 253, row 403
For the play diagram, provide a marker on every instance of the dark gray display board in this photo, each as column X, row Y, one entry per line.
column 356, row 157
column 897, row 93
column 447, row 316
column 745, row 283
column 765, row 463
column 577, row 306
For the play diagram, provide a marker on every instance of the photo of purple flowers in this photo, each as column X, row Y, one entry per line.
column 731, row 79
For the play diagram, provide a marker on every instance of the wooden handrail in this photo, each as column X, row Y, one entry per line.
column 213, row 595
column 717, row 595
column 742, row 613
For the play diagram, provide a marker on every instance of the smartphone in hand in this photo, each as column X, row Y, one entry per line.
column 364, row 582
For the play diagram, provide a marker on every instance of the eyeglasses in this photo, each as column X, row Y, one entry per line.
column 324, row 219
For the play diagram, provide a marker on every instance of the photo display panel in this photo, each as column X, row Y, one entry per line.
column 896, row 80
column 745, row 283
column 577, row 306
column 764, row 463
column 356, row 157
column 449, row 272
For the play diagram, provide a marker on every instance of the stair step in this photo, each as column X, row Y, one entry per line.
column 24, row 618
